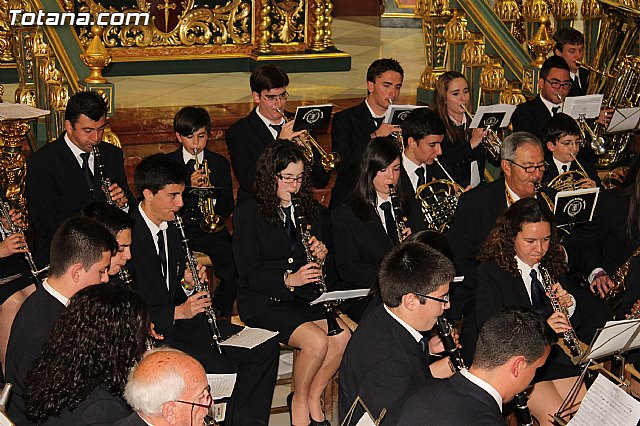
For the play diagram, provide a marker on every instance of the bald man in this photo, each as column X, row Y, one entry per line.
column 168, row 387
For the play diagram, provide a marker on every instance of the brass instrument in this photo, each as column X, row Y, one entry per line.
column 597, row 143
column 333, row 328
column 125, row 276
column 397, row 212
column 199, row 286
column 439, row 200
column 4, row 397
column 614, row 294
column 105, row 183
column 397, row 136
column 568, row 181
column 211, row 222
column 615, row 177
column 490, row 140
column 328, row 160
column 445, row 332
column 573, row 345
column 592, row 69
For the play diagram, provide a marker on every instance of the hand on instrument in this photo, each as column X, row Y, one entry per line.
column 605, row 116
column 198, row 178
column 318, row 249
column 309, row 273
column 195, row 304
column 477, row 135
column 188, row 278
column 14, row 243
column 406, row 233
column 386, row 129
column 153, row 334
column 17, row 219
column 635, row 310
column 563, row 297
column 601, row 283
column 559, row 322
column 117, row 195
column 586, row 183
column 287, row 132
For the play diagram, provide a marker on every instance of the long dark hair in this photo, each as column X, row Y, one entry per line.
column 378, row 154
column 499, row 245
column 631, row 186
column 275, row 158
column 439, row 105
column 97, row 339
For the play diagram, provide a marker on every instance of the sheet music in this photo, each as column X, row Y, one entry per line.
column 341, row 295
column 624, row 120
column 221, row 385
column 607, row 405
column 392, row 108
column 249, row 338
column 589, row 105
column 19, row 111
column 615, row 336
column 366, row 420
column 506, row 109
column 8, row 279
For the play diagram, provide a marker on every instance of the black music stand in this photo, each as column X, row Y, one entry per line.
column 576, row 206
column 367, row 418
column 397, row 113
column 312, row 117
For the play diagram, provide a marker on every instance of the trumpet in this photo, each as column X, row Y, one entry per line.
column 105, row 183
column 490, row 140
column 597, row 142
column 592, row 69
column 439, row 200
column 401, row 224
column 328, row 160
column 211, row 222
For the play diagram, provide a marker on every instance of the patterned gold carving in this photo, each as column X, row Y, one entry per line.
column 328, row 20
column 317, row 24
column 527, row 80
column 532, row 10
column 432, row 8
column 492, row 77
column 6, row 50
column 1, row 92
column 507, row 10
column 473, row 52
column 196, row 25
column 590, row 9
column 542, row 43
column 287, row 16
column 264, row 24
column 564, row 10
column 456, row 28
column 12, row 161
column 96, row 57
column 512, row 96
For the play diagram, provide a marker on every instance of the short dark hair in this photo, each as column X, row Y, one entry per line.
column 412, row 267
column 513, row 331
column 567, row 36
column 110, row 216
column 157, row 171
column 551, row 63
column 560, row 125
column 189, row 119
column 79, row 240
column 421, row 122
column 267, row 77
column 88, row 103
column 380, row 66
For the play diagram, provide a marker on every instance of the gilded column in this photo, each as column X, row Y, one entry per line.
column 6, row 50
column 541, row 43
column 565, row 11
column 12, row 161
column 435, row 15
column 328, row 20
column 456, row 34
column 492, row 81
column 263, row 44
column 591, row 16
column 508, row 11
column 532, row 10
column 316, row 14
column 473, row 59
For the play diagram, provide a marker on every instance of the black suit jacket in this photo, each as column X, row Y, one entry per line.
column 531, row 116
column 133, row 420
column 31, row 328
column 457, row 156
column 581, row 90
column 381, row 364
column 246, row 139
column 263, row 253
column 100, row 408
column 350, row 133
column 57, row 190
column 450, row 402
column 552, row 171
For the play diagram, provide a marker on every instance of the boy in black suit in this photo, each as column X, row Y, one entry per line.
column 512, row 344
column 388, row 355
column 192, row 126
column 570, row 46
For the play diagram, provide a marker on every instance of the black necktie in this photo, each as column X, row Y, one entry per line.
column 576, row 81
column 564, row 168
column 88, row 176
column 423, row 349
column 277, row 128
column 290, row 227
column 554, row 110
column 191, row 165
column 389, row 222
column 538, row 296
column 421, row 176
column 378, row 121
column 162, row 254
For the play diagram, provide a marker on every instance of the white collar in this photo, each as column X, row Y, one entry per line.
column 53, row 292
column 415, row 333
column 266, row 121
column 186, row 156
column 484, row 385
column 373, row 114
column 525, row 270
column 74, row 149
column 515, row 197
column 559, row 164
column 380, row 200
column 409, row 165
column 152, row 226
column 550, row 105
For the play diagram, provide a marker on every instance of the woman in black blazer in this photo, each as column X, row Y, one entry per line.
column 276, row 280
column 461, row 146
column 80, row 375
column 521, row 247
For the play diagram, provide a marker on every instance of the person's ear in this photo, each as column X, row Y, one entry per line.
column 169, row 412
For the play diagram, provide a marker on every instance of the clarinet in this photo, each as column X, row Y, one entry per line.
column 105, row 183
column 333, row 327
column 397, row 212
column 125, row 276
column 444, row 331
column 199, row 286
column 522, row 410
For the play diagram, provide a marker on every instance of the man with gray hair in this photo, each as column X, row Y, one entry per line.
column 522, row 163
column 168, row 387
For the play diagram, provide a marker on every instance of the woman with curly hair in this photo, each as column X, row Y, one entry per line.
column 463, row 155
column 276, row 282
column 80, row 374
column 523, row 243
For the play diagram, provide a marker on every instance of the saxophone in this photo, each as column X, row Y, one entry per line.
column 575, row 350
column 397, row 212
column 105, row 183
column 614, row 294
column 333, row 327
column 211, row 222
column 199, row 286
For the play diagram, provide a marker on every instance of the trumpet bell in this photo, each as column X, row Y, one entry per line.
column 212, row 224
column 330, row 161
column 439, row 200
column 615, row 177
column 493, row 144
column 567, row 181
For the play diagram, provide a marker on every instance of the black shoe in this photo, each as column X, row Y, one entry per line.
column 312, row 422
column 289, row 400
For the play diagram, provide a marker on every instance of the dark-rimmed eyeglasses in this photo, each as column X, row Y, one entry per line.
column 207, row 404
column 559, row 84
column 530, row 169
column 444, row 299
column 274, row 98
column 290, row 179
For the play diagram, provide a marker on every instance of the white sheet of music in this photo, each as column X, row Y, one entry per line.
column 607, row 405
column 221, row 385
column 249, row 338
column 19, row 111
column 341, row 295
column 366, row 420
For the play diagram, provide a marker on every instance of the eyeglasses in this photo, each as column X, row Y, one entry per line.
column 290, row 179
column 274, row 98
column 207, row 405
column 530, row 169
column 558, row 85
column 444, row 299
